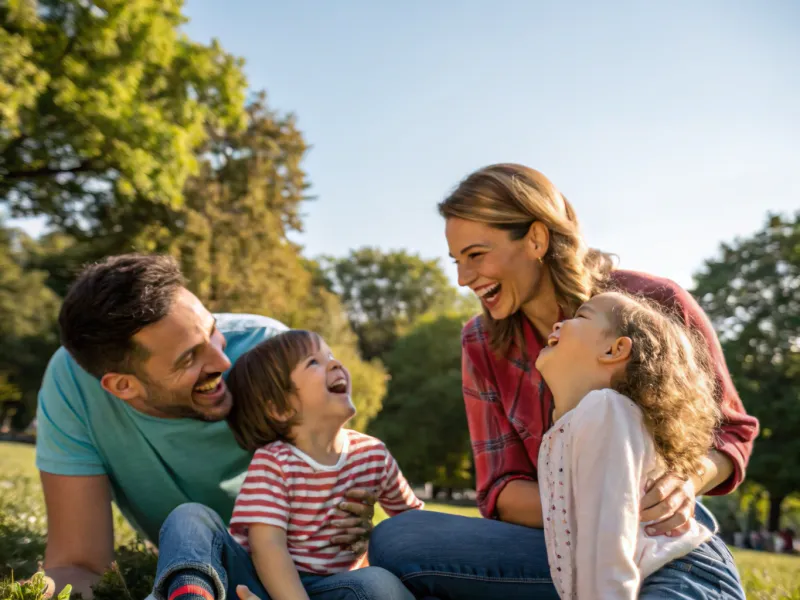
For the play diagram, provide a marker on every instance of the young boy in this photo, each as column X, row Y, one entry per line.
column 292, row 402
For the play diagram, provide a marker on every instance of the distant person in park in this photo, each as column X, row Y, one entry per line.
column 517, row 244
column 293, row 399
column 633, row 397
column 133, row 408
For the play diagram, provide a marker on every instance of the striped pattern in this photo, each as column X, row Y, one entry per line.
column 195, row 591
column 287, row 489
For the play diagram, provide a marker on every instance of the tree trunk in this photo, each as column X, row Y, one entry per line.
column 775, row 501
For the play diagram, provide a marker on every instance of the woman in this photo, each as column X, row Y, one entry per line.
column 518, row 246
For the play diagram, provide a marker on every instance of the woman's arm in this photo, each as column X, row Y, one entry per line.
column 273, row 563
column 519, row 503
column 499, row 454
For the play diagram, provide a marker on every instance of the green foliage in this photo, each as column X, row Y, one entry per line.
column 231, row 238
column 385, row 292
column 28, row 312
column 32, row 590
column 752, row 295
column 423, row 421
column 103, row 107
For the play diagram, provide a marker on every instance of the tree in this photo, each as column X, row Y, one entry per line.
column 28, row 313
column 384, row 292
column 751, row 292
column 423, row 421
column 231, row 237
column 102, row 107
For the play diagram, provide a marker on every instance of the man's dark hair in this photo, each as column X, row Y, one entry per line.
column 109, row 303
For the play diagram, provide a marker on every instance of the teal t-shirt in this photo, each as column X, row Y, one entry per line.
column 153, row 464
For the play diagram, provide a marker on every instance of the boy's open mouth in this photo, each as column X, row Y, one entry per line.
column 339, row 386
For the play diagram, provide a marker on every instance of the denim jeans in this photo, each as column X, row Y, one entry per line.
column 451, row 557
column 194, row 536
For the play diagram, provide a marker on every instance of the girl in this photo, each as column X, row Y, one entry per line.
column 633, row 398
column 292, row 402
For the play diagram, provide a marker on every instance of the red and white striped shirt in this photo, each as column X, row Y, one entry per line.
column 286, row 488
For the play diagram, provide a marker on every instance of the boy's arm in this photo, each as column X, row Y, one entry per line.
column 274, row 565
column 394, row 493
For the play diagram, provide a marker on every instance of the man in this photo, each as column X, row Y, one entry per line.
column 132, row 408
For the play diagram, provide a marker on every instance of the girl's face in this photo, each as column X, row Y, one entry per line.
column 323, row 388
column 584, row 345
column 503, row 273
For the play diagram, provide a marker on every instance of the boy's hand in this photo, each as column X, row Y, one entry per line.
column 244, row 593
column 356, row 529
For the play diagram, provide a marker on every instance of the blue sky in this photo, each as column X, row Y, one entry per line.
column 670, row 126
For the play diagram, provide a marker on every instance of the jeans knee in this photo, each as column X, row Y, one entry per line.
column 194, row 513
column 377, row 583
column 393, row 539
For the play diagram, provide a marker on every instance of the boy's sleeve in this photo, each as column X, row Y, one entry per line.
column 264, row 497
column 395, row 495
column 63, row 443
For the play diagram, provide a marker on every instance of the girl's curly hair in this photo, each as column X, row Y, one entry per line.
column 669, row 375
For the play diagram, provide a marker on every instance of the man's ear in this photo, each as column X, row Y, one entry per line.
column 537, row 240
column 123, row 386
column 617, row 351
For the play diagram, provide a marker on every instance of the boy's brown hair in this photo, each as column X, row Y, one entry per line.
column 261, row 384
column 670, row 376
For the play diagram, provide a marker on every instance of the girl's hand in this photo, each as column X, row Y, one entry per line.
column 357, row 528
column 668, row 505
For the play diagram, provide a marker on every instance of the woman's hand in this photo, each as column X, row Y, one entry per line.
column 668, row 505
column 356, row 529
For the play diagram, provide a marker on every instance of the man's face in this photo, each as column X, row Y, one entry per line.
column 182, row 375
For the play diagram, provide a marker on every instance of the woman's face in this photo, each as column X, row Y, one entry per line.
column 503, row 273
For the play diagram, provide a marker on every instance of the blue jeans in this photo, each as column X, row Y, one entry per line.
column 194, row 537
column 459, row 558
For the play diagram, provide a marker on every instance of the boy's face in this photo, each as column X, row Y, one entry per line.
column 323, row 388
column 580, row 345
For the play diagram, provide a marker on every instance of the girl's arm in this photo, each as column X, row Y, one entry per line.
column 273, row 563
column 607, row 452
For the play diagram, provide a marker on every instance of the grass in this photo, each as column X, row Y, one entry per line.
column 23, row 526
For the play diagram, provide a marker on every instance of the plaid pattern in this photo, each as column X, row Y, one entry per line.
column 509, row 407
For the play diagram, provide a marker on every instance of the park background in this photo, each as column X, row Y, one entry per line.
column 301, row 183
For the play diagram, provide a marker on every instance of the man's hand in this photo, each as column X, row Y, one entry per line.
column 356, row 529
column 668, row 505
column 80, row 531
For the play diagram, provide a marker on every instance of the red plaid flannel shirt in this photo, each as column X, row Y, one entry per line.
column 509, row 407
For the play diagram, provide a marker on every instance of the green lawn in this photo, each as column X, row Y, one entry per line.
column 22, row 528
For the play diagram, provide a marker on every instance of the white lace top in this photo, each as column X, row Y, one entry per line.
column 593, row 466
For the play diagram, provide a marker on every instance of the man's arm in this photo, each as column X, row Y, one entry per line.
column 80, row 531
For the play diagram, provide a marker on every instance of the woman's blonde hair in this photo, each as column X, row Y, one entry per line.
column 261, row 384
column 670, row 376
column 512, row 197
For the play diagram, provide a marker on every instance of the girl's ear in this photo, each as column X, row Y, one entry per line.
column 618, row 351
